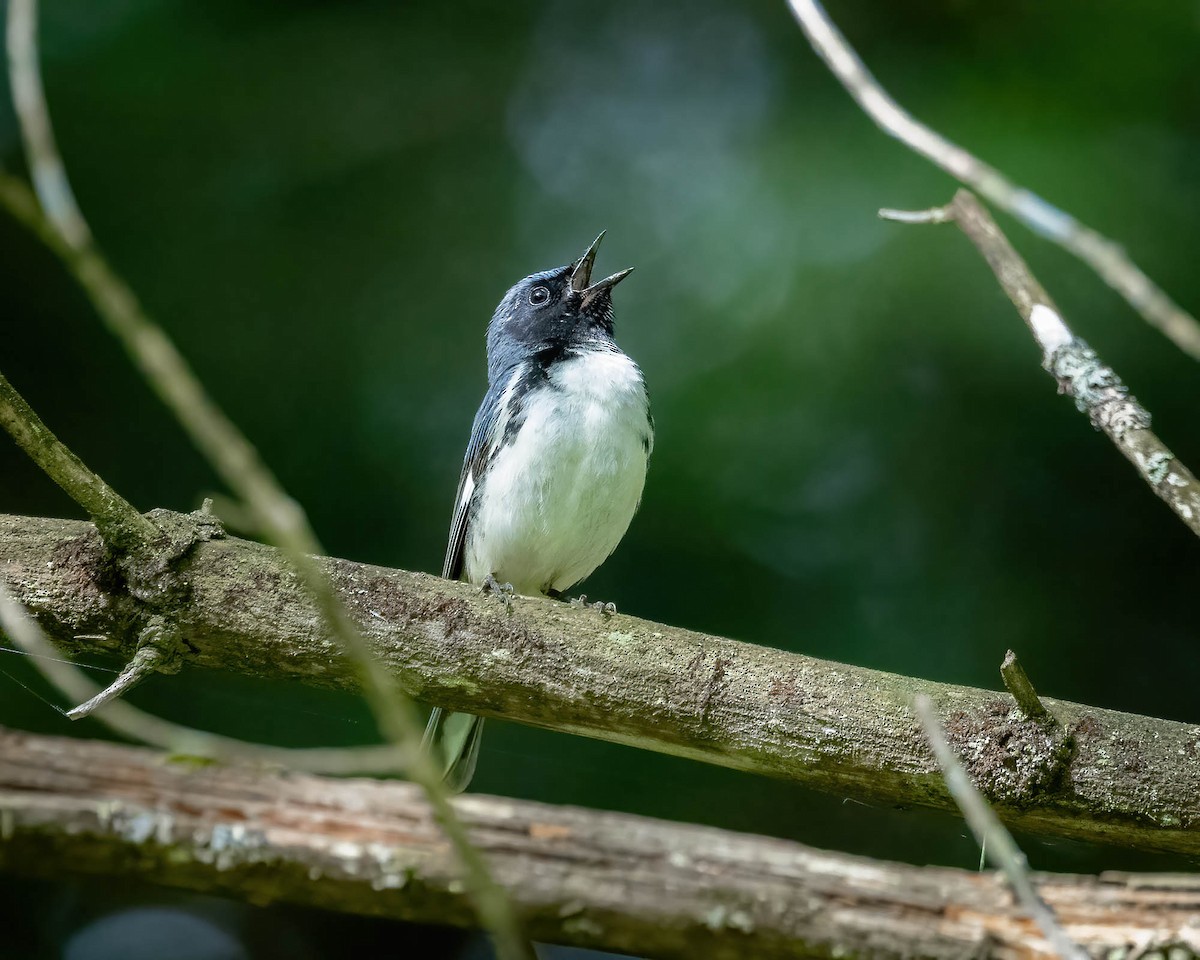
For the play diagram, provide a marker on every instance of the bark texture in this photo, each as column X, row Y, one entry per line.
column 582, row 877
column 1089, row 773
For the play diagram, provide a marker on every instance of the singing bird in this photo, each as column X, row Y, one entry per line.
column 554, row 470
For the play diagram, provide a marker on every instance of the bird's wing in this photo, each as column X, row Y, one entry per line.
column 483, row 440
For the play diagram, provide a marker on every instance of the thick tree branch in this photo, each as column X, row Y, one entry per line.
column 1100, row 775
column 583, row 877
column 1097, row 251
column 1094, row 386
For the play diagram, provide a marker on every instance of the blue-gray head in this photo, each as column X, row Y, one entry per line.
column 549, row 313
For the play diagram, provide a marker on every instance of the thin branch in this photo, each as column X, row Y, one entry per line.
column 45, row 163
column 168, row 373
column 1017, row 681
column 235, row 460
column 118, row 522
column 989, row 832
column 1095, row 387
column 1100, row 775
column 1103, row 255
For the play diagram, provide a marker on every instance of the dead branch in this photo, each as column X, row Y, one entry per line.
column 577, row 876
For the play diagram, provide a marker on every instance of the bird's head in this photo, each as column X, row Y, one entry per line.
column 552, row 310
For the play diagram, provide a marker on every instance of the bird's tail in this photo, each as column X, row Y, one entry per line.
column 453, row 740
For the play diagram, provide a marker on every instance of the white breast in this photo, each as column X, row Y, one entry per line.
column 557, row 499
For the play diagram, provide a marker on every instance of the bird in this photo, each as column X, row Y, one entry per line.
column 556, row 464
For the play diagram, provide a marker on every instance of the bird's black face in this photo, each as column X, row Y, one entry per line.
column 551, row 311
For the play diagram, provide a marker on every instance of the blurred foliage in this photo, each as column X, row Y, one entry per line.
column 857, row 457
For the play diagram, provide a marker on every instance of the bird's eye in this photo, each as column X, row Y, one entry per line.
column 538, row 296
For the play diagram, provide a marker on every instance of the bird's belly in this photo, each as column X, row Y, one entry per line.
column 560, row 495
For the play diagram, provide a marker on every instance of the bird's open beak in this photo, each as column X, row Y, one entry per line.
column 581, row 274
column 602, row 286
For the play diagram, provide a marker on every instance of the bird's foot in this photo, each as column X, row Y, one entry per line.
column 502, row 590
column 608, row 609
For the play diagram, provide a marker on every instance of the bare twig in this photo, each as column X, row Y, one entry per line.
column 1095, row 387
column 1019, row 685
column 232, row 455
column 933, row 215
column 145, row 662
column 1101, row 254
column 989, row 832
column 121, row 526
column 45, row 163
column 158, row 650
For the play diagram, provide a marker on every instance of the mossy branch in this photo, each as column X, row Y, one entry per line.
column 1097, row 775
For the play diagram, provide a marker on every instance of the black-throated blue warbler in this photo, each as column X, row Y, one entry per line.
column 557, row 458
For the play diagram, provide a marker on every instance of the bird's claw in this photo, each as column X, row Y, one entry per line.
column 608, row 609
column 502, row 590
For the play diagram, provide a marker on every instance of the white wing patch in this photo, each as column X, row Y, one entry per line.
column 468, row 488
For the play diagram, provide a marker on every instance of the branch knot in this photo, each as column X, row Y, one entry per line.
column 1010, row 757
column 151, row 571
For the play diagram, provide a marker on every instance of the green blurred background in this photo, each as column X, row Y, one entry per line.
column 858, row 456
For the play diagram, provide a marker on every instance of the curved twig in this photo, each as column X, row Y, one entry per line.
column 1097, row 251
column 232, row 455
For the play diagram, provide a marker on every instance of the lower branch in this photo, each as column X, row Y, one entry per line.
column 582, row 877
column 1096, row 775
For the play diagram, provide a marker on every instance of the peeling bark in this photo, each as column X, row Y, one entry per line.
column 1100, row 776
column 582, row 877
